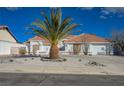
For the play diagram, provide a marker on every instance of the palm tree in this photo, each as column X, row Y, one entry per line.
column 54, row 29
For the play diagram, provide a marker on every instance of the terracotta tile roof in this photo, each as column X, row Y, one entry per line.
column 3, row 27
column 86, row 38
column 36, row 38
column 46, row 44
column 70, row 36
column 44, row 40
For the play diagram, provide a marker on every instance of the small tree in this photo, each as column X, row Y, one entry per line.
column 85, row 46
column 118, row 40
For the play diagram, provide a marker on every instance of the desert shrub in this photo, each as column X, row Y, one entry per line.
column 41, row 59
column 11, row 60
column 25, row 59
column 22, row 51
column 58, row 60
column 79, row 60
column 32, row 58
column 93, row 63
column 90, row 54
column 64, row 59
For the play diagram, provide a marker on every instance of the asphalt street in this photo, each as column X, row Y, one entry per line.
column 33, row 79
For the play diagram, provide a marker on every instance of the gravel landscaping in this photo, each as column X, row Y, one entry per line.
column 107, row 65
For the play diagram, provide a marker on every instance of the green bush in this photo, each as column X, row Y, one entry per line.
column 22, row 51
column 64, row 59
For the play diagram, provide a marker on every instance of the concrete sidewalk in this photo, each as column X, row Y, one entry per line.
column 50, row 69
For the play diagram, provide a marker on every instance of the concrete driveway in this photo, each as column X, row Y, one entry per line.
column 30, row 79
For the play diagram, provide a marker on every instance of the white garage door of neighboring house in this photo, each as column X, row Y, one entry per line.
column 8, row 48
column 98, row 49
column 4, row 48
column 14, row 50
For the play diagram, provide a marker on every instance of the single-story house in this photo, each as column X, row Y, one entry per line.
column 38, row 45
column 8, row 42
column 72, row 44
column 89, row 43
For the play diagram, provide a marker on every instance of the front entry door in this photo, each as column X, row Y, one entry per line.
column 76, row 49
column 35, row 48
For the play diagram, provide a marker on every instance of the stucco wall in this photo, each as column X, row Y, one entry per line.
column 5, row 47
column 94, row 48
column 97, row 49
column 6, row 36
column 42, row 48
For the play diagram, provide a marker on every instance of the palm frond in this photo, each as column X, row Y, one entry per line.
column 67, row 31
column 53, row 27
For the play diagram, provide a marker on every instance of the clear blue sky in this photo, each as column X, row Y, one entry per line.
column 99, row 21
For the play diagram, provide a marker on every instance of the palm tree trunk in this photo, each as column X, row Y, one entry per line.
column 54, row 51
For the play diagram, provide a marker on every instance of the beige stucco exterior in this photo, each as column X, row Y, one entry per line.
column 8, row 43
column 6, row 36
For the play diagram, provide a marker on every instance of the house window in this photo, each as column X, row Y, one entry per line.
column 35, row 48
column 62, row 48
column 46, row 48
column 23, row 48
column 102, row 48
column 66, row 45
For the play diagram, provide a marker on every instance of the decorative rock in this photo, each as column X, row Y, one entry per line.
column 52, row 60
column 93, row 63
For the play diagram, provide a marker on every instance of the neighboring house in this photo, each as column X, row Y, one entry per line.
column 38, row 45
column 8, row 42
column 89, row 43
column 72, row 45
